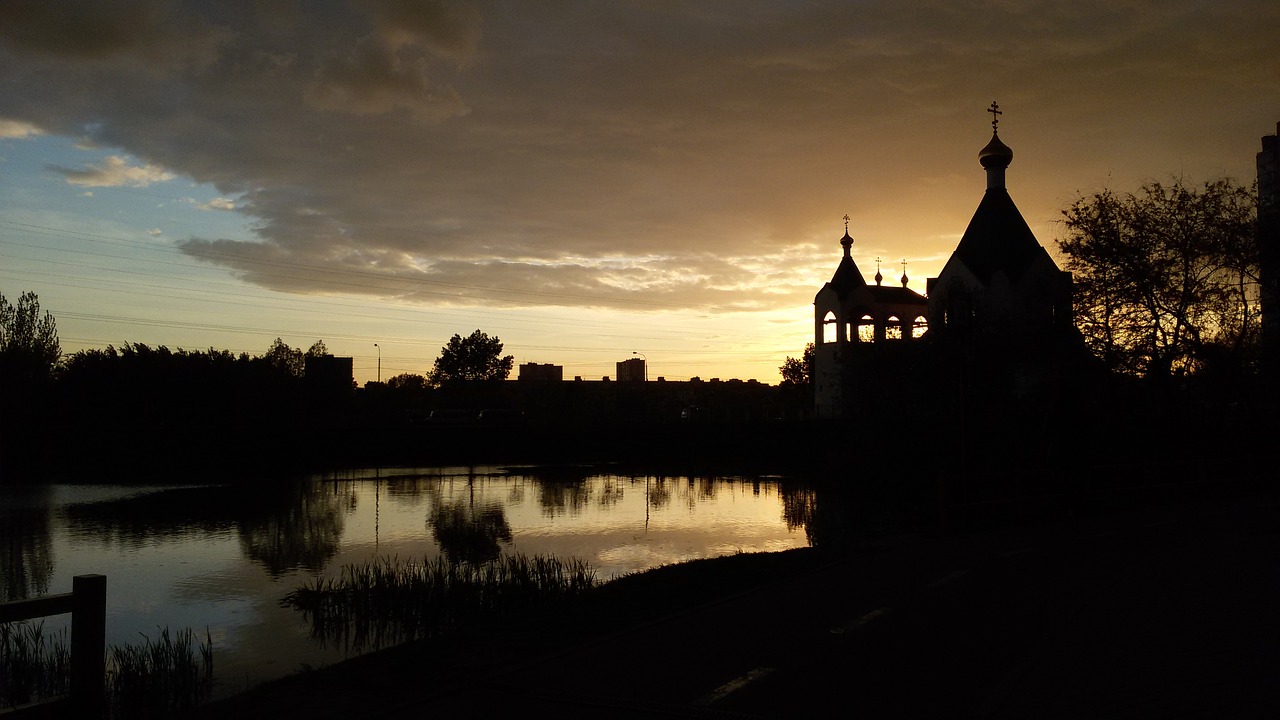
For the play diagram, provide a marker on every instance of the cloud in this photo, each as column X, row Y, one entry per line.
column 392, row 67
column 219, row 203
column 114, row 171
column 628, row 154
column 86, row 30
column 17, row 129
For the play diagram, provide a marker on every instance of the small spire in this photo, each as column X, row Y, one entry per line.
column 846, row 242
column 879, row 277
column 904, row 272
column 996, row 156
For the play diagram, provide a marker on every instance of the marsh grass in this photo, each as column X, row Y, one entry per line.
column 386, row 602
column 33, row 666
column 154, row 678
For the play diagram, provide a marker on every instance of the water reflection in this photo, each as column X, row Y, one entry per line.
column 282, row 526
column 27, row 545
column 299, row 527
column 136, row 518
column 222, row 557
column 657, row 493
column 798, row 506
column 469, row 534
column 557, row 497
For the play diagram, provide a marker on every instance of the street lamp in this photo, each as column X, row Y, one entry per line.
column 646, row 364
column 379, row 362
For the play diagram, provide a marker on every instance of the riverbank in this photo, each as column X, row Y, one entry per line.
column 1159, row 612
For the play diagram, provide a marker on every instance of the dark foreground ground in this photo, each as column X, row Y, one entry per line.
column 1167, row 612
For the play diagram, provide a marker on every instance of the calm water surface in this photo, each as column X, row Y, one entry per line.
column 222, row 557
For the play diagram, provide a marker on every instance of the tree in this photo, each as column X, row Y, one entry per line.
column 798, row 372
column 475, row 357
column 409, row 382
column 284, row 359
column 29, row 347
column 317, row 349
column 1167, row 277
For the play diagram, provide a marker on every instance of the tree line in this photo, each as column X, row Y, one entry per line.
column 31, row 356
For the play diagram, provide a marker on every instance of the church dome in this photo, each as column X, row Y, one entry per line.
column 995, row 154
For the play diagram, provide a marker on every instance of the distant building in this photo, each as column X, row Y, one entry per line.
column 545, row 372
column 326, row 375
column 631, row 370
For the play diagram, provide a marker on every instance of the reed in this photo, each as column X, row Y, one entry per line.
column 156, row 678
column 386, row 602
column 33, row 666
column 152, row 679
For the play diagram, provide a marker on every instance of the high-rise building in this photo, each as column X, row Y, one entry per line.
column 631, row 370
column 1268, row 233
column 545, row 372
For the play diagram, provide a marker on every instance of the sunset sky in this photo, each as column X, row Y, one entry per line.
column 583, row 180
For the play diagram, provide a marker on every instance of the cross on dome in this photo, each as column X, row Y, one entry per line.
column 995, row 116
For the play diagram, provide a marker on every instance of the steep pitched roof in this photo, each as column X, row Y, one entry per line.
column 997, row 239
column 847, row 276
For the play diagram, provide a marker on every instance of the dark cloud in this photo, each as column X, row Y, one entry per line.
column 622, row 154
column 97, row 32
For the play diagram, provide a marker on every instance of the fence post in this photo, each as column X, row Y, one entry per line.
column 88, row 643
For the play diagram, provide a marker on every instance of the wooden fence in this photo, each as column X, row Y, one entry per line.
column 87, row 603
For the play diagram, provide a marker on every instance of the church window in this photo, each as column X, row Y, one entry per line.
column 893, row 328
column 918, row 327
column 866, row 329
column 829, row 328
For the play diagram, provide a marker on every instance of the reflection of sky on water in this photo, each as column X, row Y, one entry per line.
column 222, row 558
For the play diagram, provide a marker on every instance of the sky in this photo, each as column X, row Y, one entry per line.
column 588, row 181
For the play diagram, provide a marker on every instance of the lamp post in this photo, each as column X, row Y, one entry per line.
column 379, row 362
column 646, row 364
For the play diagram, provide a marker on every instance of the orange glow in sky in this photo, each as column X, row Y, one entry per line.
column 583, row 180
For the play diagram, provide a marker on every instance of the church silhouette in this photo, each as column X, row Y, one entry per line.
column 1000, row 300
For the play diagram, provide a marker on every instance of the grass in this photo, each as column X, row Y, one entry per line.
column 154, row 678
column 33, row 666
column 159, row 677
column 387, row 602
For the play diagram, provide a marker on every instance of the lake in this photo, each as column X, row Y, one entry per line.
column 222, row 556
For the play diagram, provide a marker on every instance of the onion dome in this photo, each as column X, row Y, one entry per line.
column 996, row 154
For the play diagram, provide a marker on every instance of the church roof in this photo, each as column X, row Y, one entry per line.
column 997, row 239
column 893, row 295
column 847, row 276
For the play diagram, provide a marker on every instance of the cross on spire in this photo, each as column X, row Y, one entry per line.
column 995, row 116
column 846, row 223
